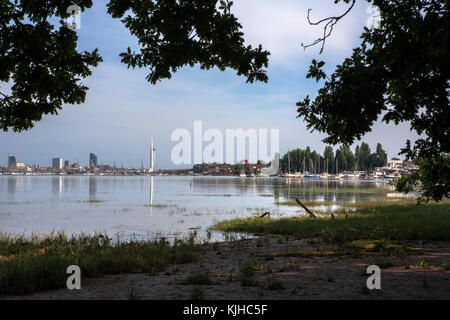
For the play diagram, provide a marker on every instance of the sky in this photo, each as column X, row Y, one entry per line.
column 122, row 110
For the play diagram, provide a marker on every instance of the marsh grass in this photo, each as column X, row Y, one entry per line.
column 132, row 295
column 34, row 264
column 247, row 274
column 198, row 277
column 92, row 201
column 197, row 294
column 275, row 285
column 390, row 222
column 423, row 264
column 300, row 191
column 157, row 205
column 358, row 204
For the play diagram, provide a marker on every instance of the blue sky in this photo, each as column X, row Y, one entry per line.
column 123, row 110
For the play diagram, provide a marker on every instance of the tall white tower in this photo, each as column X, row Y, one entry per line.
column 152, row 156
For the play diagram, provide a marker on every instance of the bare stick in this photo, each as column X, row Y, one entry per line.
column 307, row 210
column 265, row 214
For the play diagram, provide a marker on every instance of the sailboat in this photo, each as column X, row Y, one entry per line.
column 301, row 174
column 325, row 175
column 311, row 175
column 337, row 175
column 289, row 175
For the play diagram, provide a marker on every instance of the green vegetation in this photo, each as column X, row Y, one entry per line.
column 358, row 204
column 198, row 277
column 342, row 160
column 161, row 28
column 157, row 205
column 40, row 263
column 275, row 285
column 197, row 294
column 92, row 201
column 393, row 222
column 373, row 84
column 446, row 265
column 294, row 190
column 133, row 296
column 247, row 274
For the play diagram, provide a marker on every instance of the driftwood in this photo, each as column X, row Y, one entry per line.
column 307, row 210
column 265, row 214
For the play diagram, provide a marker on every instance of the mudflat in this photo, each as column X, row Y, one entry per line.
column 279, row 268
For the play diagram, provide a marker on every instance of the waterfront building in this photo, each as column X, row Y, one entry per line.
column 11, row 162
column 20, row 165
column 57, row 163
column 67, row 164
column 92, row 160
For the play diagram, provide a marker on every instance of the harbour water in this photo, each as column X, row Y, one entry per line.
column 161, row 206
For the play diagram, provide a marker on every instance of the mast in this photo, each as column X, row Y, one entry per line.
column 289, row 162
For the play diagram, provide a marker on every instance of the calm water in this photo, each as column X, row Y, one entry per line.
column 157, row 206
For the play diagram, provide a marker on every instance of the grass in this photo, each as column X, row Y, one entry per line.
column 390, row 222
column 157, row 205
column 275, row 285
column 357, row 204
column 133, row 296
column 300, row 191
column 92, row 201
column 247, row 274
column 34, row 264
column 197, row 294
column 198, row 277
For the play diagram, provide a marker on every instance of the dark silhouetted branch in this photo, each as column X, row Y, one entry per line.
column 330, row 23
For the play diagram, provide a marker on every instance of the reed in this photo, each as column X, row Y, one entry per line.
column 39, row 263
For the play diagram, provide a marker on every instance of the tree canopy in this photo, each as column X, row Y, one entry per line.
column 343, row 159
column 40, row 62
column 173, row 34
column 400, row 73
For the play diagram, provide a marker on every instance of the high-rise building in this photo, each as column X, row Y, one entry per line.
column 67, row 164
column 57, row 163
column 76, row 165
column 92, row 160
column 12, row 162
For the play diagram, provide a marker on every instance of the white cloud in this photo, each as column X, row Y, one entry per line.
column 281, row 26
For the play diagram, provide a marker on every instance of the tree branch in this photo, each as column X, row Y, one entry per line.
column 331, row 21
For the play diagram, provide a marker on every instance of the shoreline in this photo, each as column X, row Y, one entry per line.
column 290, row 258
column 418, row 276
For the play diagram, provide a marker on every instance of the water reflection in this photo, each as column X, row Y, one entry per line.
column 151, row 195
column 92, row 187
column 289, row 189
column 12, row 183
column 57, row 186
